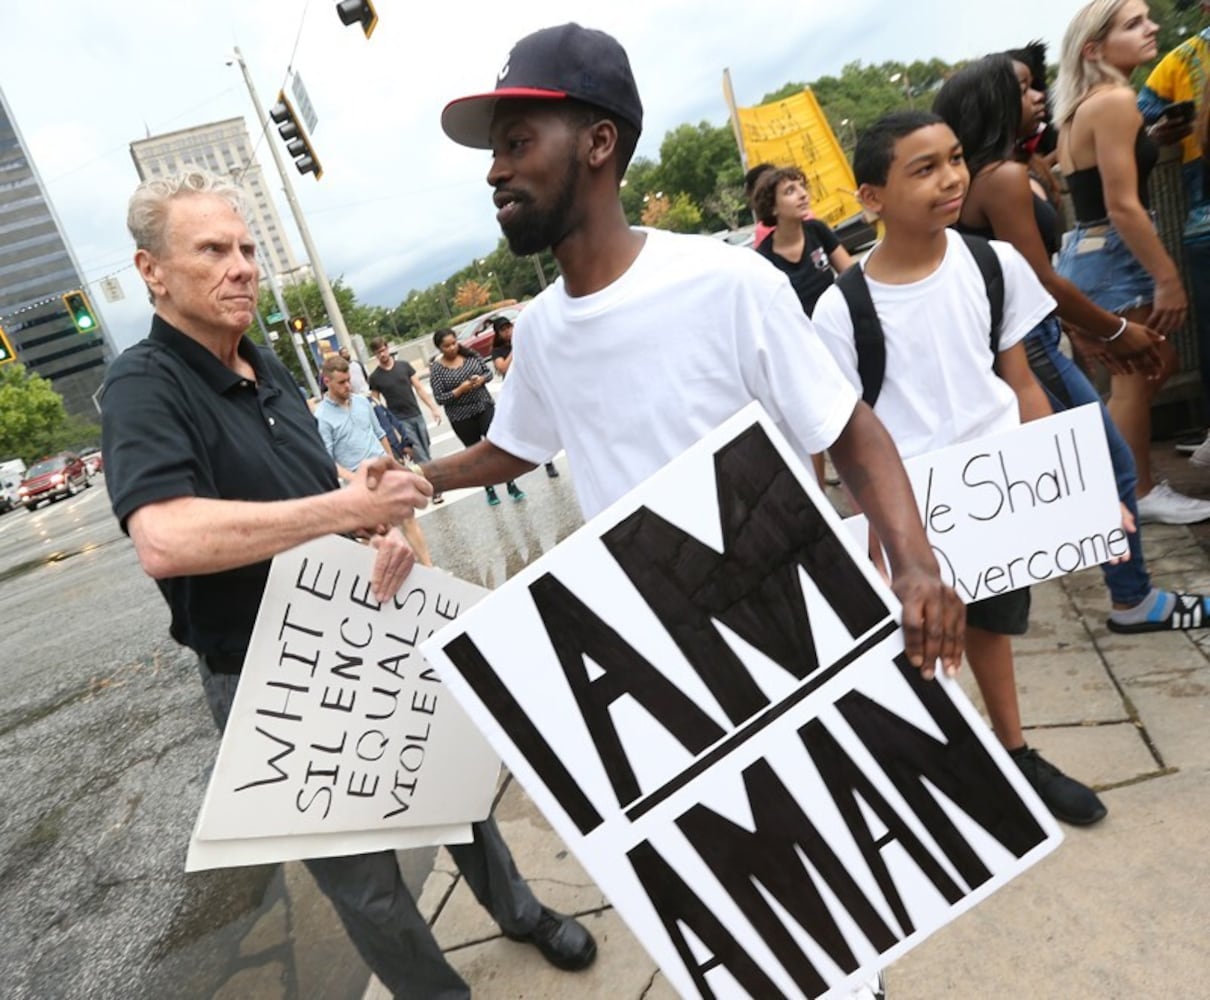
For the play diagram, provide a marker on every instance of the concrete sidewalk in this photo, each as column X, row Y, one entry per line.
column 1120, row 910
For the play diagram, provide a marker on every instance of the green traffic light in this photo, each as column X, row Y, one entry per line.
column 80, row 311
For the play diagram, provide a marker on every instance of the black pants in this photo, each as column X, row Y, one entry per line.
column 474, row 429
column 376, row 908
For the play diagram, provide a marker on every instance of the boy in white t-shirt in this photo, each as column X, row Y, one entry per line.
column 942, row 383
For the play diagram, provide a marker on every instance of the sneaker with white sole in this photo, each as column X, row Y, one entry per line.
column 1188, row 445
column 1163, row 505
column 1201, row 454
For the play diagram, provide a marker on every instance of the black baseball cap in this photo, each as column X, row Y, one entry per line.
column 567, row 62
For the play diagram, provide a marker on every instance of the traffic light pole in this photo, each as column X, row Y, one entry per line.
column 321, row 278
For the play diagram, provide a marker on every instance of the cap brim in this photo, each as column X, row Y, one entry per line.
column 468, row 120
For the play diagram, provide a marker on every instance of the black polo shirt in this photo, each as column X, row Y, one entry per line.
column 176, row 422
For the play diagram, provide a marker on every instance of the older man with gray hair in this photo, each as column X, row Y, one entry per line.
column 214, row 465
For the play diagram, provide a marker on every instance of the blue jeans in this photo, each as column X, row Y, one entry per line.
column 1068, row 387
column 419, row 433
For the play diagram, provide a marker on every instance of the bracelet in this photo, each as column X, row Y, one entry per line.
column 1116, row 333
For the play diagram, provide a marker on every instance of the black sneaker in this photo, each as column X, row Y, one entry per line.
column 563, row 941
column 1065, row 797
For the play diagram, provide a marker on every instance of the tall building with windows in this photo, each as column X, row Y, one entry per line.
column 224, row 148
column 37, row 267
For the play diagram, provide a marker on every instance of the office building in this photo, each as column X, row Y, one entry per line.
column 224, row 148
column 37, row 267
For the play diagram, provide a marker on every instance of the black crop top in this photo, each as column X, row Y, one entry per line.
column 1044, row 215
column 1087, row 194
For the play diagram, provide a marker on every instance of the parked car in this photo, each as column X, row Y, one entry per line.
column 12, row 472
column 52, row 479
column 92, row 458
column 478, row 334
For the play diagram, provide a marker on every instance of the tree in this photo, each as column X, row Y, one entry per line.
column 472, row 294
column 694, row 161
column 677, row 214
column 33, row 420
column 642, row 179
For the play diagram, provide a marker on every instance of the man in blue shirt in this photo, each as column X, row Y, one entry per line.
column 352, row 434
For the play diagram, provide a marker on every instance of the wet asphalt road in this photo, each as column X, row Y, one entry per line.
column 105, row 748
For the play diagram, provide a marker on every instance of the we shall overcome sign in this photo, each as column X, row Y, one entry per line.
column 704, row 690
column 1020, row 507
column 341, row 737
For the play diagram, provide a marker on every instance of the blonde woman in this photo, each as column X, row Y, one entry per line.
column 1114, row 255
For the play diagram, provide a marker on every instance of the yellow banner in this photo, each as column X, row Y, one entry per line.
column 794, row 132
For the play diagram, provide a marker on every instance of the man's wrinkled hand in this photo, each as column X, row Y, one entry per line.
column 393, row 562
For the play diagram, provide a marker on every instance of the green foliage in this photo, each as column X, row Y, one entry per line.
column 33, row 420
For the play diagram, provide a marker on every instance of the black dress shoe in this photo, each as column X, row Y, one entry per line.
column 564, row 942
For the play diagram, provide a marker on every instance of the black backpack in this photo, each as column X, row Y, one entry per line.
column 867, row 330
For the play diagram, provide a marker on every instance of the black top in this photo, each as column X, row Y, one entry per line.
column 811, row 275
column 1087, row 193
column 443, row 381
column 1045, row 216
column 176, row 422
column 395, row 387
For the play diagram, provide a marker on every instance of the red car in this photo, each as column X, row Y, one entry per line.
column 53, row 478
column 478, row 334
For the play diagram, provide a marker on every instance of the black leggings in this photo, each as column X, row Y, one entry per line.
column 474, row 429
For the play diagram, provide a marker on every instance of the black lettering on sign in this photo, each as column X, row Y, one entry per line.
column 846, row 783
column 768, row 856
column 960, row 768
column 576, row 632
column 770, row 529
column 494, row 694
column 678, row 904
column 288, row 748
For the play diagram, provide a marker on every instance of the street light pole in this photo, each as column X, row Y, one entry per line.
column 321, row 277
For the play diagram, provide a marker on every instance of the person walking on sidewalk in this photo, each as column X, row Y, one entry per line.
column 353, row 434
column 459, row 379
column 214, row 465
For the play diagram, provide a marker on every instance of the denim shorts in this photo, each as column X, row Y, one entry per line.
column 1099, row 264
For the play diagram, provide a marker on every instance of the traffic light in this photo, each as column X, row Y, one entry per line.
column 7, row 353
column 358, row 11
column 298, row 143
column 298, row 324
column 80, row 311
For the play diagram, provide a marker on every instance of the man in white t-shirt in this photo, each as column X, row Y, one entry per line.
column 605, row 364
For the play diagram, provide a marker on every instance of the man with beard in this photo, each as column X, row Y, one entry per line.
column 562, row 125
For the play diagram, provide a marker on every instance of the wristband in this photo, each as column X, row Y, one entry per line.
column 1116, row 333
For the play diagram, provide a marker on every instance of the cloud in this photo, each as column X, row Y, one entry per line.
column 400, row 206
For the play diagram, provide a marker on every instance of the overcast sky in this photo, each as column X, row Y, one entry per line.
column 400, row 206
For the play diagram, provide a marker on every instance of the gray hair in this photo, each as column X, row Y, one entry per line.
column 148, row 211
column 1077, row 74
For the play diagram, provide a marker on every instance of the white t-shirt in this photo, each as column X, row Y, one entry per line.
column 358, row 381
column 939, row 387
column 629, row 377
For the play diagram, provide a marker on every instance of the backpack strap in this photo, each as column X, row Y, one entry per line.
column 993, row 280
column 867, row 332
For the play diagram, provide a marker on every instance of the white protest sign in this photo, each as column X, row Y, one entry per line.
column 705, row 692
column 1020, row 507
column 339, row 726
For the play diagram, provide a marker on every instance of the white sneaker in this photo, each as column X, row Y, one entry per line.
column 1201, row 454
column 1163, row 505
